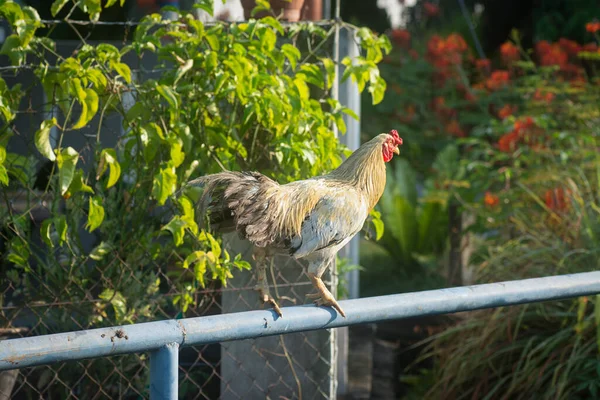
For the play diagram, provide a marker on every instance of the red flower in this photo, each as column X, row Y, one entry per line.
column 590, row 47
column 431, row 10
column 523, row 125
column 491, row 200
column 506, row 111
column 539, row 95
column 509, row 52
column 592, row 27
column 484, row 65
column 497, row 80
column 551, row 54
column 413, row 54
column 401, row 37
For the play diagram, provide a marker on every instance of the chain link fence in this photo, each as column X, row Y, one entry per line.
column 56, row 295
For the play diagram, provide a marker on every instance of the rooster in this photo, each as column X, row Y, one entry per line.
column 309, row 219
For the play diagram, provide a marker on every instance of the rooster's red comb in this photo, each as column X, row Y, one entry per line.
column 396, row 137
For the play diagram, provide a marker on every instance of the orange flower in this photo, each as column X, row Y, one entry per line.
column 506, row 111
column 539, row 95
column 555, row 199
column 431, row 10
column 525, row 131
column 509, row 52
column 592, row 27
column 456, row 43
column 401, row 37
column 453, row 128
column 508, row 142
column 497, row 80
column 491, row 200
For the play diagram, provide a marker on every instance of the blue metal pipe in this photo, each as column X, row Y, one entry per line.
column 136, row 338
column 164, row 367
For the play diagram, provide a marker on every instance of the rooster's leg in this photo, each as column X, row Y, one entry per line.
column 323, row 295
column 262, row 285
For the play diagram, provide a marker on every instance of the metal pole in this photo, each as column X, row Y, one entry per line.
column 138, row 338
column 164, row 367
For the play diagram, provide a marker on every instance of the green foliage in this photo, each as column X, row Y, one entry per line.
column 237, row 97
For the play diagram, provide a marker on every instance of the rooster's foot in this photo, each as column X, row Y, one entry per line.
column 326, row 299
column 266, row 297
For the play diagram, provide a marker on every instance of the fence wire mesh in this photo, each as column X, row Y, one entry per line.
column 54, row 294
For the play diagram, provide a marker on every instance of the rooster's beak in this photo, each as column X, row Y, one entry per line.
column 397, row 151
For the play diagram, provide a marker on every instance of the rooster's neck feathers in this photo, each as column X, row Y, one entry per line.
column 365, row 169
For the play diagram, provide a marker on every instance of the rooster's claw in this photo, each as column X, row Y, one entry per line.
column 265, row 297
column 327, row 301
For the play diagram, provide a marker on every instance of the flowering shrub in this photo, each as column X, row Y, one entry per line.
column 525, row 122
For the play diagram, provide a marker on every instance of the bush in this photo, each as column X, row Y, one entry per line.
column 525, row 127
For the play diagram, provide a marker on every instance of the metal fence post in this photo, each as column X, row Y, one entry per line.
column 164, row 367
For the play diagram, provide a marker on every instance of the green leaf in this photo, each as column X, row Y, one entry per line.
column 185, row 67
column 213, row 41
column 117, row 301
column 57, row 6
column 377, row 90
column 78, row 184
column 89, row 107
column 122, row 69
column 377, row 224
column 2, row 154
column 45, row 232
column 3, row 175
column 100, row 251
column 176, row 152
column 168, row 94
column 108, row 159
column 198, row 260
column 187, row 210
column 273, row 23
column 60, row 224
column 66, row 160
column 95, row 213
column 312, row 74
column 42, row 139
column 177, row 228
column 12, row 48
column 164, row 184
column 291, row 53
column 206, row 5
column 329, row 70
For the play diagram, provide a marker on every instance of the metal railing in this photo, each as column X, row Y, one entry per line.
column 164, row 338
